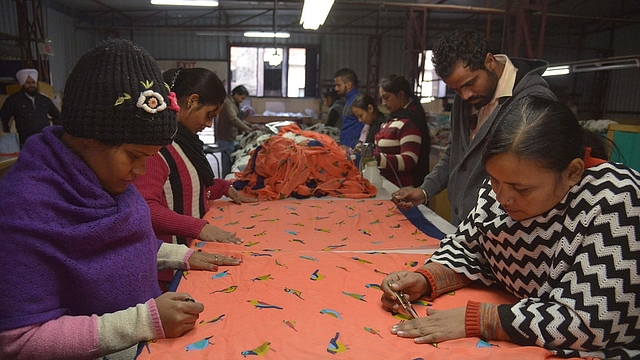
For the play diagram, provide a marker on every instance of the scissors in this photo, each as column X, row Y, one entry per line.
column 405, row 303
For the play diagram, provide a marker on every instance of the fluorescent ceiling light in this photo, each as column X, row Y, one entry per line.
column 185, row 2
column 606, row 64
column 620, row 62
column 556, row 70
column 264, row 34
column 314, row 13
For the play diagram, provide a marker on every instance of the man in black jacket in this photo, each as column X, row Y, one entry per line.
column 29, row 109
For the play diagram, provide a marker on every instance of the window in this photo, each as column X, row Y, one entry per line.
column 274, row 72
column 430, row 86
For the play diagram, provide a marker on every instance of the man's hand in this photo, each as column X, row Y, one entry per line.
column 408, row 197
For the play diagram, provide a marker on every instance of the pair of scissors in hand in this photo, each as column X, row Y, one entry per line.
column 406, row 304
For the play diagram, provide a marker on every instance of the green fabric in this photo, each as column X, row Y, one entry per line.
column 627, row 149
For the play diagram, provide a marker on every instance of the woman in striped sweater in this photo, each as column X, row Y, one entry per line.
column 403, row 142
column 552, row 226
column 179, row 180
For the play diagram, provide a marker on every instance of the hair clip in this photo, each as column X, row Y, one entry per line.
column 175, row 76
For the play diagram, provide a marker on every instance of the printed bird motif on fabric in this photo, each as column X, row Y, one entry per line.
column 331, row 312
column 214, row 320
column 228, row 290
column 259, row 351
column 355, row 296
column 200, row 344
column 262, row 305
column 316, row 276
column 335, row 346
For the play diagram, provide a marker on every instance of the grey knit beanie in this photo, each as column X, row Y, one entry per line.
column 116, row 94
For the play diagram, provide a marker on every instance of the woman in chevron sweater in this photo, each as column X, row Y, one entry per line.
column 553, row 226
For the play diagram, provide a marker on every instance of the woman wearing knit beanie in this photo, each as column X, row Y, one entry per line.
column 179, row 184
column 78, row 256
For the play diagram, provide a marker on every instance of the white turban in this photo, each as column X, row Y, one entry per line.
column 24, row 73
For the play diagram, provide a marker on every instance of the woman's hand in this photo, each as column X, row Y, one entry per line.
column 438, row 326
column 215, row 234
column 238, row 198
column 205, row 261
column 178, row 313
column 408, row 197
column 412, row 284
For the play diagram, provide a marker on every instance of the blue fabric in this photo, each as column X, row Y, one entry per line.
column 351, row 127
column 173, row 285
column 418, row 220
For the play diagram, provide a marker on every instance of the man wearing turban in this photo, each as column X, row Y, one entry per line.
column 30, row 110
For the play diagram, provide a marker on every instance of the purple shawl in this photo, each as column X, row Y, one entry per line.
column 67, row 247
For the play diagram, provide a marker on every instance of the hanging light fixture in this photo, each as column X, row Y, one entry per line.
column 275, row 59
column 314, row 13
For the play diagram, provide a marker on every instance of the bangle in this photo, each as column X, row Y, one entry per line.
column 426, row 197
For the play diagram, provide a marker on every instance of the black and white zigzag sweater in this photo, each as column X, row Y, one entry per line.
column 575, row 268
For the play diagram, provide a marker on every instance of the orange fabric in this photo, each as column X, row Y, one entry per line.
column 318, row 224
column 295, row 297
column 308, row 305
column 590, row 161
column 282, row 168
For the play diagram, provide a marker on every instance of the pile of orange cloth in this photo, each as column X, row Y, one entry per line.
column 317, row 166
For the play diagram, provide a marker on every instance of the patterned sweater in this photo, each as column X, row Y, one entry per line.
column 575, row 267
column 176, row 197
column 398, row 144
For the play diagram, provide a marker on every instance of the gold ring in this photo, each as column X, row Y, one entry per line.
column 216, row 259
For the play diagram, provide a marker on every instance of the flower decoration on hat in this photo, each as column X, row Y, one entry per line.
column 174, row 102
column 149, row 100
column 173, row 99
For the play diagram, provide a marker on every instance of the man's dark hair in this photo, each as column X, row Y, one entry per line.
column 347, row 75
column 462, row 46
column 331, row 94
column 240, row 90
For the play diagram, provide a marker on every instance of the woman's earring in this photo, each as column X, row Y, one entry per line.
column 189, row 104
